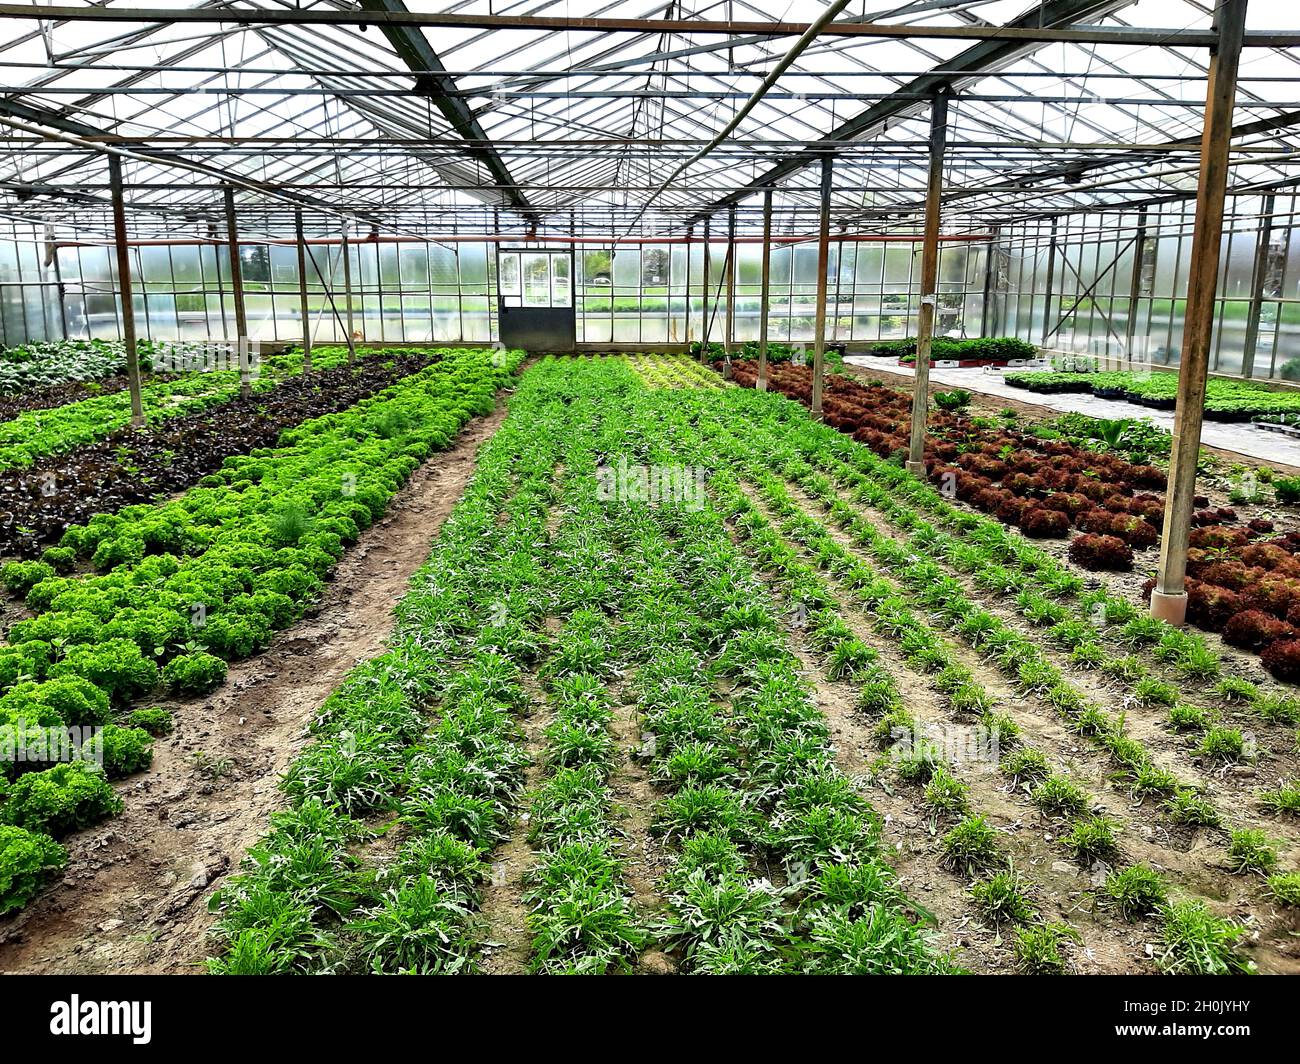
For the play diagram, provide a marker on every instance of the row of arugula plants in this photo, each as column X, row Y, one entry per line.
column 779, row 861
column 750, row 779
column 40, row 501
column 1099, row 630
column 1248, row 849
column 1194, row 937
column 581, row 917
column 970, row 846
column 1001, row 565
column 1093, row 839
column 249, row 552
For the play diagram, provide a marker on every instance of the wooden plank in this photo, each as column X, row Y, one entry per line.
column 729, row 336
column 929, row 285
column 1169, row 599
column 823, row 265
column 765, row 290
column 302, row 292
column 123, row 250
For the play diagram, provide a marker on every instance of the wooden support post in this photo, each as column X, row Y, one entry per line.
column 1051, row 285
column 1169, row 598
column 987, row 318
column 242, row 342
column 302, row 291
column 729, row 336
column 52, row 259
column 690, row 233
column 704, row 300
column 823, row 266
column 929, row 285
column 1135, row 287
column 1257, row 278
column 834, row 313
column 124, row 287
column 765, row 291
column 347, row 297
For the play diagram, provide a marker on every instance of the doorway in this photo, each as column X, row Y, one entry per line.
column 535, row 308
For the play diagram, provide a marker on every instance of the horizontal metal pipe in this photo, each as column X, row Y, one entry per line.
column 522, row 240
column 258, row 16
column 634, row 70
column 489, row 92
column 162, row 142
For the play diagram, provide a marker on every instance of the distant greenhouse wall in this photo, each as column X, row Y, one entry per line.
column 872, row 293
column 1110, row 285
column 1118, row 284
column 29, row 291
column 400, row 292
column 413, row 292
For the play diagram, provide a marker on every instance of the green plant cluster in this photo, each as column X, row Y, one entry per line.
column 762, row 781
column 953, row 401
column 426, row 732
column 715, row 352
column 674, row 371
column 1224, row 397
column 45, row 363
column 744, row 785
column 42, row 364
column 984, row 348
column 209, row 577
column 28, row 860
column 36, row 433
column 1137, row 439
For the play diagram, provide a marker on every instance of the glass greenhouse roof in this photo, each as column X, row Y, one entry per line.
column 445, row 129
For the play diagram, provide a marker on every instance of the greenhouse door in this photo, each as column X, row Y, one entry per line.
column 535, row 299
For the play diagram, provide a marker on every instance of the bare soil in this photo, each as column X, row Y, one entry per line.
column 507, row 945
column 133, row 897
column 645, row 861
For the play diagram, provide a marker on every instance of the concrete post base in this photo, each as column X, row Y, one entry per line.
column 917, row 469
column 760, row 385
column 1171, row 609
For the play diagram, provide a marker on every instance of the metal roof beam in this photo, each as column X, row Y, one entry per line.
column 414, row 50
column 979, row 59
